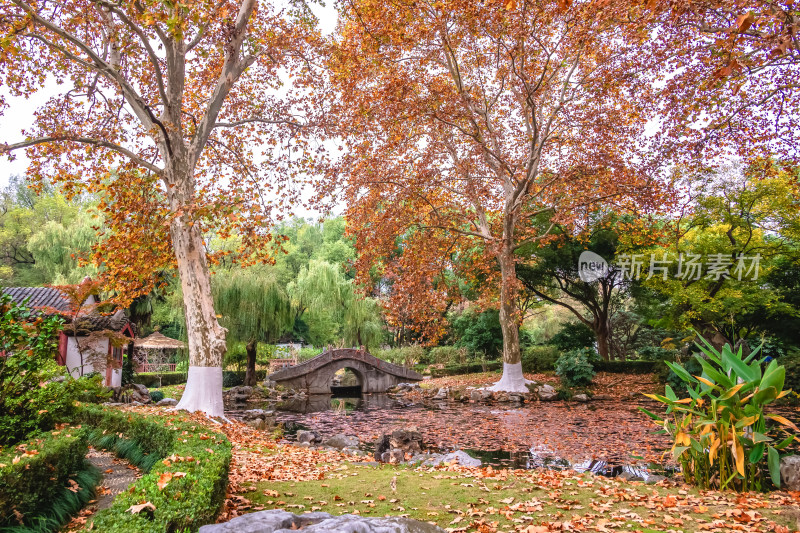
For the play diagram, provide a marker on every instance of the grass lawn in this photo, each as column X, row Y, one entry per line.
column 171, row 391
column 534, row 501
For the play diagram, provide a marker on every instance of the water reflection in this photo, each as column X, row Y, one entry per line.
column 316, row 403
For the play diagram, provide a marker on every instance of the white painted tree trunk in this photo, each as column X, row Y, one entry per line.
column 512, row 379
column 206, row 337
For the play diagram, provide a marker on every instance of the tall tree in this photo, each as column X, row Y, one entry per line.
column 552, row 273
column 174, row 97
column 254, row 309
column 463, row 121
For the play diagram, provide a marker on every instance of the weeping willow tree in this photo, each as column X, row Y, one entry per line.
column 56, row 249
column 334, row 309
column 254, row 309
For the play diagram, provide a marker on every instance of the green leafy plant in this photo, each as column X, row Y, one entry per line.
column 720, row 432
column 185, row 464
column 156, row 396
column 575, row 367
column 35, row 392
column 34, row 473
column 539, row 358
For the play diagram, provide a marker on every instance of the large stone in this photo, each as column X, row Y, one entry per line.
column 395, row 455
column 252, row 414
column 462, row 458
column 306, row 436
column 441, row 394
column 277, row 521
column 341, row 441
column 790, row 472
column 480, row 395
column 581, row 398
column 135, row 393
column 167, row 402
column 546, row 392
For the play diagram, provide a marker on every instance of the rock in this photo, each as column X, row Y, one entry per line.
column 169, row 402
column 269, row 384
column 135, row 393
column 605, row 397
column 259, row 424
column 453, row 457
column 135, row 404
column 306, row 436
column 652, row 480
column 516, row 397
column 501, row 397
column 546, row 393
column 240, row 394
column 407, row 440
column 630, row 476
column 441, row 394
column 277, row 521
column 480, row 395
column 396, row 455
column 252, row 414
column 341, row 441
column 790, row 472
column 581, row 398
column 420, row 458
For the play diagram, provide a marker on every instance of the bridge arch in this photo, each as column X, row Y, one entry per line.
column 315, row 375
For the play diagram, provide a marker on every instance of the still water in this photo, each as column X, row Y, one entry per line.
column 536, row 434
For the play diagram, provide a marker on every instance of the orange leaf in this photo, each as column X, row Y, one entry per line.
column 164, row 479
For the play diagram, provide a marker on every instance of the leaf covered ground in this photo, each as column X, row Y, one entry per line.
column 268, row 475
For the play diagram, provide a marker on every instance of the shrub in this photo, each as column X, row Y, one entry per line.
column 195, row 470
column 151, row 379
column 628, row 367
column 447, row 355
column 468, row 368
column 791, row 362
column 156, row 395
column 574, row 367
column 44, row 465
column 720, row 434
column 29, row 345
column 573, row 336
column 407, row 355
column 656, row 353
column 479, row 332
column 231, row 378
column 539, row 358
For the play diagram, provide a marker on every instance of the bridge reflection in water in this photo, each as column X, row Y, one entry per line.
column 315, row 403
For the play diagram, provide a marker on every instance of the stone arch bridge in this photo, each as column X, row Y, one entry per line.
column 315, row 375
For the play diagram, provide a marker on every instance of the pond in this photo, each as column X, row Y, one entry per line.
column 526, row 436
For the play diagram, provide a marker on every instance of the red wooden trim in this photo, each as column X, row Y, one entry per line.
column 127, row 329
column 63, row 342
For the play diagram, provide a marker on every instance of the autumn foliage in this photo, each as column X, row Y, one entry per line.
column 472, row 130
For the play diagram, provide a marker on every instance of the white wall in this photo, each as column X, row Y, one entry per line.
column 73, row 361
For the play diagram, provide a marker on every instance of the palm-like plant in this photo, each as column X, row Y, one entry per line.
column 720, row 432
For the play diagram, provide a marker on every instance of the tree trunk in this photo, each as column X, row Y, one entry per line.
column 250, row 373
column 206, row 337
column 602, row 343
column 512, row 379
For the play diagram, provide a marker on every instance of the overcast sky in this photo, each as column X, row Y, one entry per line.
column 19, row 115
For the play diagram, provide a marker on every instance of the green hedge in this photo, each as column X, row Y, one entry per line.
column 198, row 459
column 231, row 378
column 539, row 358
column 150, row 379
column 628, row 367
column 39, row 476
column 468, row 368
